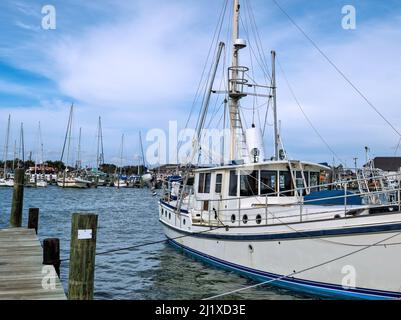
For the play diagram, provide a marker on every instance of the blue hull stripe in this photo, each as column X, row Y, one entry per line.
column 171, row 207
column 309, row 287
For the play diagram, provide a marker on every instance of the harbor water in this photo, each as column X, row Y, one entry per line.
column 129, row 217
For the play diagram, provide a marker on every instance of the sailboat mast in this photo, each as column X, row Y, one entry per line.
column 276, row 133
column 79, row 150
column 22, row 147
column 121, row 155
column 100, row 155
column 6, row 147
column 233, row 106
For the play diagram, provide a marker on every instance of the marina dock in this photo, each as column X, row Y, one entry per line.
column 22, row 274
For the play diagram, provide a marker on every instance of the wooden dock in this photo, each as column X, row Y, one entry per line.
column 21, row 270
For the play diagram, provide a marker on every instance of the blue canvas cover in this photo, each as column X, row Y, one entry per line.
column 336, row 194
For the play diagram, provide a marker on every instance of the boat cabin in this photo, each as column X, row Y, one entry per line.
column 277, row 181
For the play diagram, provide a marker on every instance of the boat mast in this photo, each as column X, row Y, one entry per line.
column 21, row 147
column 100, row 154
column 143, row 155
column 236, row 81
column 42, row 160
column 121, row 155
column 6, row 147
column 79, row 150
column 234, row 65
column 276, row 133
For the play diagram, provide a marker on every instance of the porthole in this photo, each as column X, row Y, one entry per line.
column 245, row 219
column 250, row 247
column 183, row 222
column 233, row 218
column 162, row 211
column 169, row 215
column 258, row 219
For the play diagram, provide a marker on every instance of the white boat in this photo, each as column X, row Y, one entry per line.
column 119, row 183
column 275, row 221
column 73, row 182
column 6, row 182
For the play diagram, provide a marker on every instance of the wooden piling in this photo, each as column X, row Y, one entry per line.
column 82, row 256
column 18, row 198
column 51, row 253
column 33, row 219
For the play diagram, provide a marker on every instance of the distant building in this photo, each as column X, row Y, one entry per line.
column 387, row 164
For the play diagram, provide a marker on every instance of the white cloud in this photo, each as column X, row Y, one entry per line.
column 141, row 69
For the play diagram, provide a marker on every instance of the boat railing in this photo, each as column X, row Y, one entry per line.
column 386, row 197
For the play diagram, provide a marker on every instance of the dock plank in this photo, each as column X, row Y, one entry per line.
column 21, row 270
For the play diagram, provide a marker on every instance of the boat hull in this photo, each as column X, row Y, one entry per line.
column 361, row 275
column 73, row 184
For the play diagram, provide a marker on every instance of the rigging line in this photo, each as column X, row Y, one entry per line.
column 145, row 244
column 258, row 40
column 303, row 270
column 266, row 114
column 314, row 44
column 215, row 36
column 261, row 63
column 306, row 116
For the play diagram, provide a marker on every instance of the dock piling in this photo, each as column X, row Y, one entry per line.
column 33, row 219
column 82, row 256
column 51, row 253
column 18, row 198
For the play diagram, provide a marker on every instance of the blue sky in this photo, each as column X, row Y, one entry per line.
column 137, row 64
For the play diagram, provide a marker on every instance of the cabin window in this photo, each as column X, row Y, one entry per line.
column 233, row 183
column 219, row 179
column 205, row 206
column 204, row 183
column 249, row 184
column 314, row 181
column 268, row 182
column 285, row 183
column 300, row 182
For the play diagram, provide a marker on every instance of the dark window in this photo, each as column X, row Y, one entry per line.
column 233, row 184
column 205, row 206
column 300, row 183
column 201, row 184
column 285, row 183
column 314, row 181
column 245, row 219
column 207, row 182
column 268, row 182
column 219, row 179
column 233, row 218
column 249, row 184
column 258, row 219
column 204, row 183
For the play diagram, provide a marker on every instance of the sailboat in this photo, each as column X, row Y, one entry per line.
column 6, row 181
column 274, row 220
column 119, row 181
column 100, row 177
column 71, row 179
column 39, row 179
